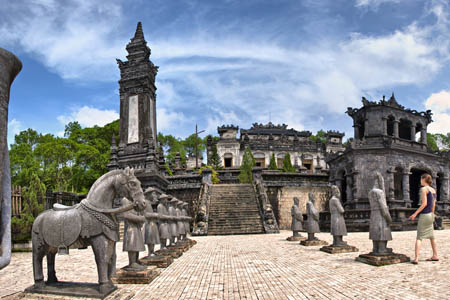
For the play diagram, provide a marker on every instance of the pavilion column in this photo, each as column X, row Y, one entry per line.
column 391, row 192
column 423, row 136
column 396, row 122
column 384, row 126
column 413, row 133
column 405, row 184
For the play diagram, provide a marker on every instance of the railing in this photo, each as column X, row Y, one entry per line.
column 201, row 210
column 265, row 208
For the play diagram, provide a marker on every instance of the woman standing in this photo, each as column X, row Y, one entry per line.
column 426, row 217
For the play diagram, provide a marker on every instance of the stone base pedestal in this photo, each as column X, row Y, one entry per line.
column 191, row 242
column 296, row 238
column 174, row 253
column 157, row 260
column 182, row 246
column 124, row 276
column 339, row 249
column 313, row 243
column 383, row 260
column 70, row 289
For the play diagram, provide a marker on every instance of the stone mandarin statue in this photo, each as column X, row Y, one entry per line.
column 173, row 220
column 380, row 219
column 151, row 231
column 180, row 222
column 164, row 233
column 187, row 227
column 297, row 219
column 338, row 228
column 10, row 66
column 133, row 241
column 312, row 223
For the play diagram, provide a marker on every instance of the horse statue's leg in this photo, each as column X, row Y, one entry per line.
column 40, row 249
column 112, row 262
column 51, row 266
column 38, row 256
column 102, row 247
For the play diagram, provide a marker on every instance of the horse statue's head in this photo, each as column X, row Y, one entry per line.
column 131, row 187
column 116, row 184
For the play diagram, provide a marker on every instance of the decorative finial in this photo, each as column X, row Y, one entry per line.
column 113, row 141
column 139, row 33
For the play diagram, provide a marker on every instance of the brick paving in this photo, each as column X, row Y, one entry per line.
column 266, row 267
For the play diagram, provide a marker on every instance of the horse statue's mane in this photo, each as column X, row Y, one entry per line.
column 102, row 180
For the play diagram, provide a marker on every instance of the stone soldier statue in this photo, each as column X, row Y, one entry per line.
column 338, row 228
column 172, row 220
column 151, row 232
column 133, row 241
column 297, row 218
column 187, row 227
column 380, row 219
column 164, row 233
column 312, row 223
column 180, row 222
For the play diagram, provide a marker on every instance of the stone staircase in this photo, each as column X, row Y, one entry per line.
column 233, row 210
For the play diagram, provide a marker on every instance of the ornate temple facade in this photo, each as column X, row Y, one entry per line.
column 392, row 140
column 265, row 140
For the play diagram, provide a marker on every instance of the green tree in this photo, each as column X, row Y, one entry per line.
column 287, row 165
column 321, row 135
column 248, row 162
column 273, row 163
column 431, row 141
column 215, row 160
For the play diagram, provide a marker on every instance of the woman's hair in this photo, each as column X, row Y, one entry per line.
column 427, row 178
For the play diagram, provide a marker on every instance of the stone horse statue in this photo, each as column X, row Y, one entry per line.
column 91, row 222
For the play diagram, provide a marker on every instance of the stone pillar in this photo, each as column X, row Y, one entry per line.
column 349, row 188
column 355, row 186
column 384, row 126
column 413, row 133
column 396, row 122
column 206, row 176
column 366, row 127
column 405, row 184
column 390, row 193
column 423, row 136
column 444, row 188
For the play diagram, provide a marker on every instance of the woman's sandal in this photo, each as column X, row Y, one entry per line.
column 414, row 262
column 432, row 259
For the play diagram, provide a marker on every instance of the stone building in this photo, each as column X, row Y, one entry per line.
column 267, row 139
column 392, row 140
column 137, row 147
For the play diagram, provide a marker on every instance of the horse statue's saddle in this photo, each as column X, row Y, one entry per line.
column 62, row 226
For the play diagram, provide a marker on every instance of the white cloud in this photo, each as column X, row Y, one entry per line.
column 76, row 38
column 89, row 116
column 439, row 103
column 170, row 120
column 374, row 4
column 14, row 127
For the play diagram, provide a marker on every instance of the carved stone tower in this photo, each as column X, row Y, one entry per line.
column 137, row 146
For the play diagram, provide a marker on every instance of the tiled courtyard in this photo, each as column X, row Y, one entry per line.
column 266, row 267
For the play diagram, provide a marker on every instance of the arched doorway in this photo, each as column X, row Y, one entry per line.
column 260, row 160
column 414, row 186
column 228, row 160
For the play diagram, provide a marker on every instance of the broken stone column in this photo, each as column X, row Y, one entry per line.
column 10, row 66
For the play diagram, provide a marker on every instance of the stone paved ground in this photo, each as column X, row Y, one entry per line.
column 267, row 267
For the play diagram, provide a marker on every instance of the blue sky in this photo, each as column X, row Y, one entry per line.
column 299, row 62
